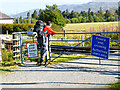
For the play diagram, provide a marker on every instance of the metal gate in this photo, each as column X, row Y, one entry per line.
column 20, row 39
column 86, row 50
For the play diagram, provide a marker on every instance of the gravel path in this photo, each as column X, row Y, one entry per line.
column 72, row 74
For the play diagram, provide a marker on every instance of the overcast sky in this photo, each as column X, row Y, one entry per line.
column 16, row 6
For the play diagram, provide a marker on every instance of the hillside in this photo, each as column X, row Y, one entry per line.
column 95, row 6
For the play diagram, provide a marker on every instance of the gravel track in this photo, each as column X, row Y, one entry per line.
column 72, row 74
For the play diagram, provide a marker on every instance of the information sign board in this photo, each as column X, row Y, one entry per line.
column 100, row 46
column 32, row 50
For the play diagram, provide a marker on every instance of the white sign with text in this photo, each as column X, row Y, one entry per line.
column 32, row 50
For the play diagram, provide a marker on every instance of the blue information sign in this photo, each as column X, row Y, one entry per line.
column 100, row 46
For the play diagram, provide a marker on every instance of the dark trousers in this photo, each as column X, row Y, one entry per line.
column 42, row 41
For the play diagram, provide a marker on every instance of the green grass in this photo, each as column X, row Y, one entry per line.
column 85, row 27
column 58, row 60
column 115, row 86
column 8, row 68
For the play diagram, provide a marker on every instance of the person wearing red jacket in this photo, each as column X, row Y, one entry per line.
column 48, row 30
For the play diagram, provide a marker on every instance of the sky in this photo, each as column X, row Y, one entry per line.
column 10, row 7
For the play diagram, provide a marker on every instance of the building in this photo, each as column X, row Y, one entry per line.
column 5, row 19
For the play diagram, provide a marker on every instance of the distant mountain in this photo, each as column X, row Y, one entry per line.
column 95, row 6
column 24, row 14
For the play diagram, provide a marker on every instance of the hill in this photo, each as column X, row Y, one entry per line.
column 95, row 6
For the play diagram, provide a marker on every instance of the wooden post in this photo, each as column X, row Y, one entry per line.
column 99, row 61
column 0, row 50
column 64, row 35
column 82, row 40
column 7, row 32
column 14, row 42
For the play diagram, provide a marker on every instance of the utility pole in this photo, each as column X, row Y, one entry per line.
column 18, row 20
column 29, row 17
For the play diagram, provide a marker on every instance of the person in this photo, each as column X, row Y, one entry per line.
column 47, row 29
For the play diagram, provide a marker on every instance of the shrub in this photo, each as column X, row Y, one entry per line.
column 56, row 27
column 16, row 27
column 7, row 56
column 23, row 27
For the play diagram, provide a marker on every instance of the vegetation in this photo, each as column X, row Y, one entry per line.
column 8, row 68
column 7, row 61
column 7, row 58
column 16, row 27
column 52, row 13
column 88, row 27
column 115, row 86
column 83, row 17
column 23, row 27
column 59, row 17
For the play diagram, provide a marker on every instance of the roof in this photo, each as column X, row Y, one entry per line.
column 4, row 16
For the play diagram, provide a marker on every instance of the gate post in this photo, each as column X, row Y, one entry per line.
column 49, row 47
column 20, row 48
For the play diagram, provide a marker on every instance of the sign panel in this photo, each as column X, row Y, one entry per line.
column 100, row 46
column 32, row 50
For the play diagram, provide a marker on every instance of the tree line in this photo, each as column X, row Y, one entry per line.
column 60, row 18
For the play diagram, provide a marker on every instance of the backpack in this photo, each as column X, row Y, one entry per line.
column 39, row 27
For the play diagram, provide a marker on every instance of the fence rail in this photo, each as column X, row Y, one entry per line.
column 114, row 51
column 19, row 50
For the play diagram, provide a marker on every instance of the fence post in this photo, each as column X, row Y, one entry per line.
column 82, row 40
column 49, row 47
column 20, row 48
column 13, row 37
column 0, row 50
column 64, row 34
column 99, row 61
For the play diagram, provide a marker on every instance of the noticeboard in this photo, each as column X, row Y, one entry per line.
column 32, row 51
column 100, row 46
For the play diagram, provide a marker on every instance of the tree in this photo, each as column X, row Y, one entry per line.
column 91, row 18
column 52, row 13
column 107, row 14
column 96, row 19
column 28, row 15
column 35, row 15
column 80, row 19
column 89, row 12
column 73, row 14
column 84, row 14
column 74, row 20
column 83, row 20
column 101, row 11
column 119, row 12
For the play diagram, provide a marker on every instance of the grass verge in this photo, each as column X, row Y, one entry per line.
column 58, row 60
column 8, row 68
column 114, row 86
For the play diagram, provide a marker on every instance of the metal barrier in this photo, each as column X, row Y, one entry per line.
column 114, row 51
column 19, row 46
column 20, row 39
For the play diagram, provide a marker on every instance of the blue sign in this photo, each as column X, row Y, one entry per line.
column 100, row 46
